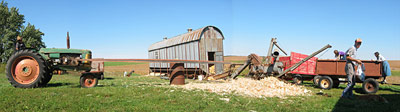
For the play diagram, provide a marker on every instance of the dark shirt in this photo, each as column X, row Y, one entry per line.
column 19, row 45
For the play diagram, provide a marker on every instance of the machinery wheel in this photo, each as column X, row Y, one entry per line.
column 316, row 80
column 370, row 86
column 177, row 76
column 47, row 78
column 336, row 82
column 325, row 82
column 88, row 81
column 297, row 79
column 26, row 69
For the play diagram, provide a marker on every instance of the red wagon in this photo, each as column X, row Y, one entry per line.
column 326, row 73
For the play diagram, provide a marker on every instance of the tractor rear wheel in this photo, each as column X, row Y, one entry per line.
column 47, row 78
column 48, row 75
column 26, row 69
column 88, row 81
column 325, row 82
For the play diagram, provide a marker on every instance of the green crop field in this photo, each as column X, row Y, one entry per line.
column 120, row 63
column 142, row 93
column 396, row 73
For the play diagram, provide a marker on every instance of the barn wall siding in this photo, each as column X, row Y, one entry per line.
column 193, row 45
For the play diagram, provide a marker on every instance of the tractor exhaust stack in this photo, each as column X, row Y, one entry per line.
column 68, row 40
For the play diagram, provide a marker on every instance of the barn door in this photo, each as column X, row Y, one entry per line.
column 219, row 68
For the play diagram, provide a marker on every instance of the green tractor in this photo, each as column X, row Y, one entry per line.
column 30, row 68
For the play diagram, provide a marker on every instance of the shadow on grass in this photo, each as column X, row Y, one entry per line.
column 151, row 84
column 98, row 86
column 108, row 78
column 79, row 86
column 396, row 84
column 391, row 87
column 362, row 103
column 359, row 89
column 58, row 84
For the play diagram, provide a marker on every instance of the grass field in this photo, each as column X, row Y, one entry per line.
column 2, row 67
column 395, row 73
column 142, row 93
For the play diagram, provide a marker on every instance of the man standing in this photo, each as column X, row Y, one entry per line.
column 351, row 63
column 386, row 66
column 19, row 45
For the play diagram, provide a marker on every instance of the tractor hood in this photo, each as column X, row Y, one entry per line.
column 52, row 53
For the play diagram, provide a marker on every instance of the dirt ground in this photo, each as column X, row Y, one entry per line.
column 394, row 65
column 235, row 58
column 142, row 69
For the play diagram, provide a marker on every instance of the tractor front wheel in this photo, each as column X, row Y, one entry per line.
column 88, row 81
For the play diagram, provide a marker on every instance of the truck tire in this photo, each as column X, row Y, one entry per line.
column 370, row 86
column 88, row 80
column 316, row 80
column 297, row 79
column 325, row 82
column 26, row 69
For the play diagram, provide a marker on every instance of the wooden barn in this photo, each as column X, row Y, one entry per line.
column 202, row 44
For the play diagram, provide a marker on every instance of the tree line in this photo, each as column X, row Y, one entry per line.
column 11, row 26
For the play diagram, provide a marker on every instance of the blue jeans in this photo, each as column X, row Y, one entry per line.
column 348, row 91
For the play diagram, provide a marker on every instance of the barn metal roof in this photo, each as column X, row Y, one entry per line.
column 183, row 38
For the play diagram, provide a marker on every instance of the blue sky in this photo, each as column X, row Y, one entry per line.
column 125, row 29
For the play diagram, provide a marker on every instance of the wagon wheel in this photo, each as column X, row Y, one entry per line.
column 316, row 80
column 26, row 69
column 297, row 79
column 370, row 86
column 88, row 81
column 325, row 82
column 336, row 82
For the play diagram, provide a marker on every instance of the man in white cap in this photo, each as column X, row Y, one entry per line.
column 351, row 63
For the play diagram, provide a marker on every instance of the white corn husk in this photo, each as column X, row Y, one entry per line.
column 267, row 87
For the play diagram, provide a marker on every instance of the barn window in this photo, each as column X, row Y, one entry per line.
column 156, row 55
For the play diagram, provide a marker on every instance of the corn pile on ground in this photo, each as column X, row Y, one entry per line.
column 267, row 87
